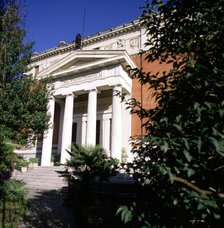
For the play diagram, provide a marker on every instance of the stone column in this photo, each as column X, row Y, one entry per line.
column 116, row 123
column 67, row 128
column 48, row 136
column 83, row 131
column 106, row 134
column 91, row 118
column 62, row 105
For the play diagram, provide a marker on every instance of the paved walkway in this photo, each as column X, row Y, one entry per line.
column 46, row 203
column 47, row 191
column 47, row 209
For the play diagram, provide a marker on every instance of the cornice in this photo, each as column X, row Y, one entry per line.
column 102, row 58
column 96, row 38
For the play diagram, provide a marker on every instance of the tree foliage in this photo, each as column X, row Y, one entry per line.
column 24, row 109
column 14, row 53
column 23, row 104
column 23, row 99
column 180, row 163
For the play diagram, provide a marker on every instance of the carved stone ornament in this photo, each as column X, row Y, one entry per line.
column 120, row 43
column 134, row 43
column 45, row 65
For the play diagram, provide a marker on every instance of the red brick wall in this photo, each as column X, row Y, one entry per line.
column 148, row 100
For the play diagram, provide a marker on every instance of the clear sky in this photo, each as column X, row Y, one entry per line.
column 50, row 21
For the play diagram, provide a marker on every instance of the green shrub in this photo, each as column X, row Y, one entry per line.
column 22, row 163
column 7, row 158
column 13, row 204
column 87, row 166
column 34, row 160
column 90, row 162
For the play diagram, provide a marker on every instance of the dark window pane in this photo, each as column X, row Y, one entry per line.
column 97, row 132
column 110, row 133
column 74, row 132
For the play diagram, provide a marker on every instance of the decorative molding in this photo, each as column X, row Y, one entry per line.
column 99, row 37
column 82, row 78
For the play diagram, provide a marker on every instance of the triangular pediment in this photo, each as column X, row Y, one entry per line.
column 81, row 61
column 78, row 62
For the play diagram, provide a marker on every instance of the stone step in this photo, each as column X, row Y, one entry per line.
column 43, row 178
column 45, row 169
column 41, row 182
column 45, row 186
column 45, row 175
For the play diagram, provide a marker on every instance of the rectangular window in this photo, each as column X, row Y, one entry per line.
column 97, row 132
column 36, row 69
column 74, row 132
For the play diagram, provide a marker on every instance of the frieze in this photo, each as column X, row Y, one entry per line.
column 78, row 79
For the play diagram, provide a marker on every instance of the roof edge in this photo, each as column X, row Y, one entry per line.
column 100, row 36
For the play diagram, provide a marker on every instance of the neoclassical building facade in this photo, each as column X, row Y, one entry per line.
column 90, row 84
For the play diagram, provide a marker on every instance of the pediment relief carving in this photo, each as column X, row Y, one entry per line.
column 76, row 63
column 86, row 66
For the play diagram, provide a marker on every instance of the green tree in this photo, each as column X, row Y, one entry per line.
column 24, row 109
column 23, row 106
column 14, row 54
column 180, row 163
column 23, row 99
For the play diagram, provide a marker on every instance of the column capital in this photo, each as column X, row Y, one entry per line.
column 70, row 94
column 117, row 90
column 51, row 98
column 93, row 90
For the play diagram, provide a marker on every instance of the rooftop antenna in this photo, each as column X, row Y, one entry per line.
column 84, row 22
column 78, row 38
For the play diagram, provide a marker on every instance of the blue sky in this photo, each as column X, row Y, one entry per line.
column 50, row 21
